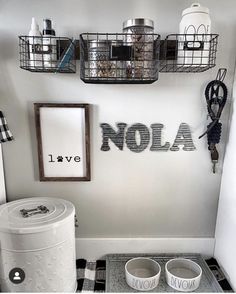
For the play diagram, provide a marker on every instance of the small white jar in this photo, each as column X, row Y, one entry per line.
column 194, row 50
column 195, row 20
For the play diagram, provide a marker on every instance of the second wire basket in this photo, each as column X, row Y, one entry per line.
column 119, row 58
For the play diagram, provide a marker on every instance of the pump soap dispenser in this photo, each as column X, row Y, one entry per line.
column 49, row 44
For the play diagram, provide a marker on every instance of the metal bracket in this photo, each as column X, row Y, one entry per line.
column 76, row 222
column 168, row 49
column 63, row 45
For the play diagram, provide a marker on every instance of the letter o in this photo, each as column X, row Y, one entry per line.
column 186, row 284
column 131, row 137
column 146, row 284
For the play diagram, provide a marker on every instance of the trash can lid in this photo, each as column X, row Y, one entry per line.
column 32, row 215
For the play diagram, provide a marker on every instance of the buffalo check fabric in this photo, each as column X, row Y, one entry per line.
column 5, row 134
column 91, row 276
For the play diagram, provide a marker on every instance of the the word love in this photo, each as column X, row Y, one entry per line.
column 60, row 158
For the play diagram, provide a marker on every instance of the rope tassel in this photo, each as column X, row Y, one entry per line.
column 213, row 136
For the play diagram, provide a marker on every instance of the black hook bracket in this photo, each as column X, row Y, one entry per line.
column 221, row 74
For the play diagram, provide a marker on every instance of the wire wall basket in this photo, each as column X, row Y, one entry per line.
column 119, row 58
column 188, row 52
column 47, row 54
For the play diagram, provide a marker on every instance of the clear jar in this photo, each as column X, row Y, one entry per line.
column 139, row 34
column 99, row 63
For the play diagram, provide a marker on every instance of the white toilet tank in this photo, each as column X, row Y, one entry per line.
column 37, row 246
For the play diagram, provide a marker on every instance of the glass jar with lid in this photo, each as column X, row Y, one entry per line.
column 138, row 33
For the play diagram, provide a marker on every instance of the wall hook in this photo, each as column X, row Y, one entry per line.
column 221, row 74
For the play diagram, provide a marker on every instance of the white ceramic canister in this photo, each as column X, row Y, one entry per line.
column 37, row 235
column 139, row 33
column 194, row 50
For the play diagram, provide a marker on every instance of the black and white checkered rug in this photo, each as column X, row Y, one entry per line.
column 91, row 276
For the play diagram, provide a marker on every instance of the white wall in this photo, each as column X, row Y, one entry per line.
column 151, row 194
column 226, row 219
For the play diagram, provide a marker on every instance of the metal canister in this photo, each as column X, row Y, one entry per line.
column 37, row 246
column 99, row 62
column 139, row 34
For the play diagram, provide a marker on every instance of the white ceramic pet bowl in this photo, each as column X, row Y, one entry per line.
column 142, row 273
column 183, row 274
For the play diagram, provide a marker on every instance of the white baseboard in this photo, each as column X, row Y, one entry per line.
column 96, row 248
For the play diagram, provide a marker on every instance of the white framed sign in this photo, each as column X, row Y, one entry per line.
column 63, row 141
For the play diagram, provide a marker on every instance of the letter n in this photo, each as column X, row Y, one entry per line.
column 116, row 137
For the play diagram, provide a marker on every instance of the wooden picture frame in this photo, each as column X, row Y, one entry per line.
column 63, row 137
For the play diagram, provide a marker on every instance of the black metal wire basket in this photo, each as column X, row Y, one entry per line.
column 47, row 54
column 188, row 52
column 119, row 58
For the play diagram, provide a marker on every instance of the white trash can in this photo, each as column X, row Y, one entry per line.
column 37, row 246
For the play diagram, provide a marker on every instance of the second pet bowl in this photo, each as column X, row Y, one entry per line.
column 183, row 274
column 142, row 273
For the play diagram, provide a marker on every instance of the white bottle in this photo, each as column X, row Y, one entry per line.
column 194, row 50
column 35, row 45
column 49, row 45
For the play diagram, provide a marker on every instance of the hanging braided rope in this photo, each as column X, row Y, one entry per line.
column 216, row 96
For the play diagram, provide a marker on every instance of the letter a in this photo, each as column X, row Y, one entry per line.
column 183, row 137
